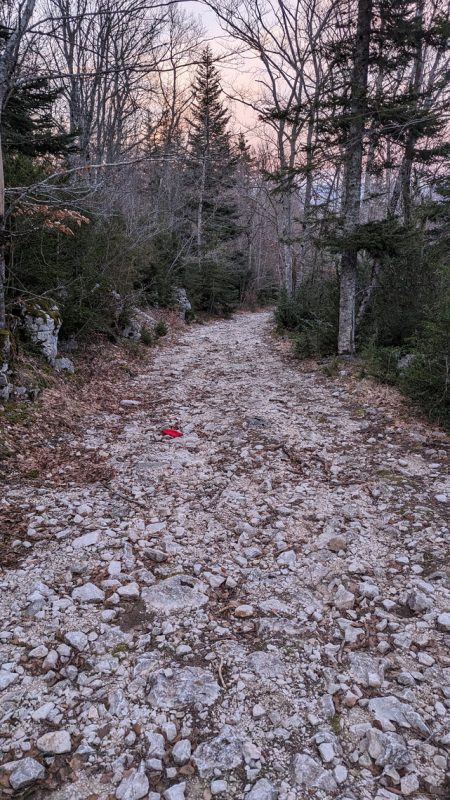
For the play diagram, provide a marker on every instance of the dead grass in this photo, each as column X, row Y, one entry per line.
column 39, row 440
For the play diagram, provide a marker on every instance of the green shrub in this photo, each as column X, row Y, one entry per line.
column 427, row 379
column 147, row 337
column 267, row 295
column 82, row 273
column 160, row 329
column 133, row 348
column 381, row 362
column 287, row 313
column 331, row 368
column 312, row 316
column 158, row 269
column 215, row 286
column 301, row 345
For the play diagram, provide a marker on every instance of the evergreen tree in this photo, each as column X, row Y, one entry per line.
column 32, row 141
column 214, row 268
column 380, row 126
column 28, row 125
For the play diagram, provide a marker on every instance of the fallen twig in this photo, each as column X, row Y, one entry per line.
column 222, row 682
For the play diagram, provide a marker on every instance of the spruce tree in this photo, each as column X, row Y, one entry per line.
column 28, row 126
column 380, row 126
column 213, row 270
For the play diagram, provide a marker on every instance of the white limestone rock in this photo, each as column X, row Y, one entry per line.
column 388, row 749
column 86, row 540
column 343, row 599
column 184, row 687
column 223, row 752
column 266, row 664
column 310, row 774
column 389, row 710
column 134, row 786
column 262, row 790
column 181, row 752
column 7, row 678
column 443, row 621
column 176, row 792
column 366, row 670
column 156, row 745
column 88, row 593
column 77, row 639
column 175, row 594
column 43, row 324
column 56, row 742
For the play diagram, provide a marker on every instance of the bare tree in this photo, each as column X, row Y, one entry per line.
column 285, row 37
column 105, row 57
column 353, row 176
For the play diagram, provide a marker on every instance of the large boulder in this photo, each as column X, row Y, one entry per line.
column 137, row 322
column 64, row 365
column 42, row 322
column 182, row 301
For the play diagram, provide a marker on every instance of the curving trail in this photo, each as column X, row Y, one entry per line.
column 259, row 609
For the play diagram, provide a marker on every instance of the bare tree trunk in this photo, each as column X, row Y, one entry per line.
column 412, row 136
column 369, row 293
column 402, row 186
column 200, row 213
column 308, row 193
column 2, row 240
column 286, row 243
column 353, row 177
column 4, row 332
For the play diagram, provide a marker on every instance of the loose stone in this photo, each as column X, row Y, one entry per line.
column 134, row 786
column 55, row 742
column 89, row 593
column 24, row 772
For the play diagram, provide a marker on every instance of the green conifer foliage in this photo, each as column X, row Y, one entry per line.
column 214, row 269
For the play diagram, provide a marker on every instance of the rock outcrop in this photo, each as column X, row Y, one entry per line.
column 5, row 347
column 42, row 322
column 137, row 322
column 183, row 302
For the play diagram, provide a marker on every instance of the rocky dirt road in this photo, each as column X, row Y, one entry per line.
column 257, row 610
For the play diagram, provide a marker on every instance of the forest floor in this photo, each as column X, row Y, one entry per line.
column 259, row 609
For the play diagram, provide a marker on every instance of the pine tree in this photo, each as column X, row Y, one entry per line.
column 214, row 267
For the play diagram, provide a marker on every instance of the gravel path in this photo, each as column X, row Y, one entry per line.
column 259, row 609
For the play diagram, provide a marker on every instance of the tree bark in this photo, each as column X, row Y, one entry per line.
column 353, row 178
column 200, row 214
column 369, row 293
column 402, row 186
column 308, row 192
column 286, row 247
column 2, row 239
